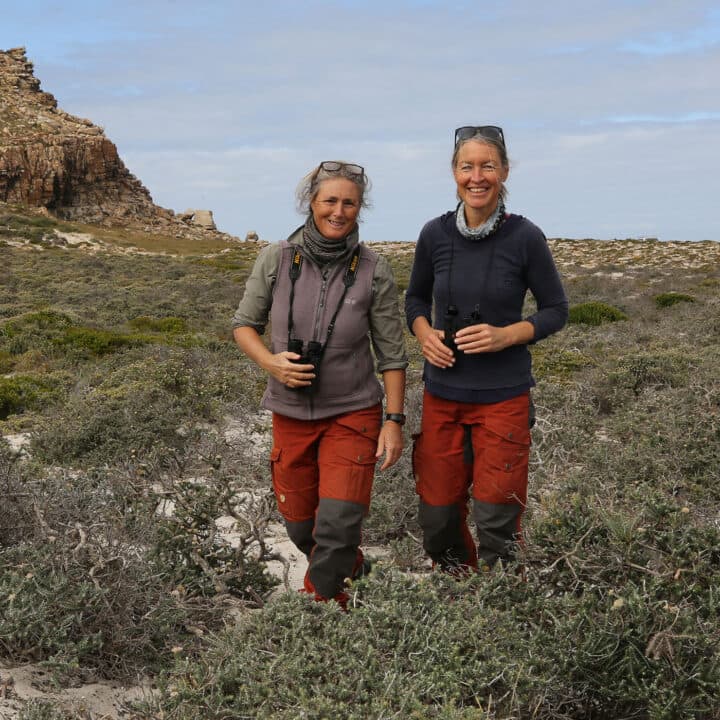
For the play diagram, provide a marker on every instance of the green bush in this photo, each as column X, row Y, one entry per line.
column 147, row 323
column 147, row 400
column 669, row 299
column 93, row 341
column 41, row 320
column 435, row 647
column 21, row 392
column 75, row 587
column 7, row 362
column 48, row 332
column 34, row 330
column 595, row 313
column 105, row 426
column 189, row 551
column 550, row 361
column 32, row 228
column 650, row 370
column 92, row 577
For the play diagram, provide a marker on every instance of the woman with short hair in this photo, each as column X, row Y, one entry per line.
column 328, row 299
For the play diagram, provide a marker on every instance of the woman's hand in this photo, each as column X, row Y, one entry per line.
column 289, row 373
column 485, row 338
column 390, row 442
column 434, row 350
column 482, row 338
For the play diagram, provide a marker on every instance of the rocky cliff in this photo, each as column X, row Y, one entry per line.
column 51, row 159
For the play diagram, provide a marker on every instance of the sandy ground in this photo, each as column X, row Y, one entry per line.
column 96, row 701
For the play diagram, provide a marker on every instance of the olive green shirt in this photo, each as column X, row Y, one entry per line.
column 386, row 324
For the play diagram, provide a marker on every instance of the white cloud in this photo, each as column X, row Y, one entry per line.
column 227, row 106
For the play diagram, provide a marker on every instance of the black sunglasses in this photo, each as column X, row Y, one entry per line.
column 334, row 166
column 491, row 132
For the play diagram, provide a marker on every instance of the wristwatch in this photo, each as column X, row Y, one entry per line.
column 399, row 418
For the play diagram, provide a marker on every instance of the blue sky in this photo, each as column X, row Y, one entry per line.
column 611, row 110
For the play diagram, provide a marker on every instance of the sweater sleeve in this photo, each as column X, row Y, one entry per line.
column 547, row 289
column 386, row 328
column 254, row 308
column 418, row 298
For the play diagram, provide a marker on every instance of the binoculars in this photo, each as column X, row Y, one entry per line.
column 309, row 355
column 452, row 323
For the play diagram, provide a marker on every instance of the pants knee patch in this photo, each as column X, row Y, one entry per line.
column 337, row 534
column 301, row 534
column 498, row 529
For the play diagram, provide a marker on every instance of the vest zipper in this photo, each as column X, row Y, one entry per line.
column 321, row 303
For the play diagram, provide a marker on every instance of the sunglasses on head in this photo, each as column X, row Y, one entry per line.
column 334, row 166
column 490, row 132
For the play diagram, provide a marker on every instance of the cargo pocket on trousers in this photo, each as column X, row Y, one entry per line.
column 353, row 464
column 295, row 488
column 352, row 476
column 506, row 453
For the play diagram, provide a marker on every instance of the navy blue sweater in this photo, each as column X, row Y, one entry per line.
column 490, row 276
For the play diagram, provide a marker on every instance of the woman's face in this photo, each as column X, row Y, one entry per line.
column 479, row 175
column 335, row 207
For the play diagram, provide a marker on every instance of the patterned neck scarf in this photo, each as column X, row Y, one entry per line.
column 324, row 251
column 482, row 231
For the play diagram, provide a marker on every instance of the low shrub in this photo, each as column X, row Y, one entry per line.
column 22, row 392
column 669, row 299
column 550, row 361
column 92, row 341
column 7, row 362
column 650, row 370
column 489, row 646
column 147, row 323
column 76, row 588
column 102, row 426
column 30, row 228
column 191, row 552
column 595, row 313
column 98, row 573
column 32, row 331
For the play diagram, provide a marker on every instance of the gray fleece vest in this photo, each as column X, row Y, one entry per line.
column 347, row 379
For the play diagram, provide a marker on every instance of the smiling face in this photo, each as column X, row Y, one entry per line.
column 335, row 207
column 479, row 175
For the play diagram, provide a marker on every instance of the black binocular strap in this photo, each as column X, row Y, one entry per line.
column 348, row 281
column 483, row 291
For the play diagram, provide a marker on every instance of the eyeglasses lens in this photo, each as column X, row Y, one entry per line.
column 491, row 132
column 333, row 166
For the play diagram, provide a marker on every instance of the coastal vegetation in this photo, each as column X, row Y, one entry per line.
column 118, row 380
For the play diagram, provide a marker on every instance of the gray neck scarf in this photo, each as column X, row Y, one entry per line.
column 324, row 251
column 487, row 228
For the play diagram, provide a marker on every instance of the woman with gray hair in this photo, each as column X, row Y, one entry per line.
column 475, row 265
column 328, row 298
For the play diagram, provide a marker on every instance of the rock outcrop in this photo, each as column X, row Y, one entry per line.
column 65, row 164
column 199, row 218
column 51, row 159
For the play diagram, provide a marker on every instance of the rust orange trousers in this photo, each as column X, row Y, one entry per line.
column 478, row 451
column 322, row 472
